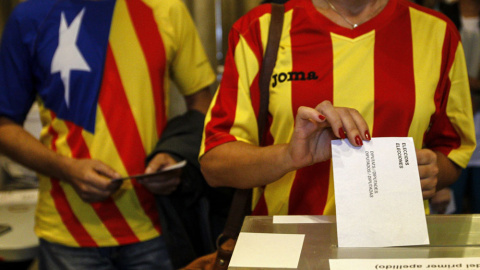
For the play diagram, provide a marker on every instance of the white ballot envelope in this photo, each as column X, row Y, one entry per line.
column 378, row 194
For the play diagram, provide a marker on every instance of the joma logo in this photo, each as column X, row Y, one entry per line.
column 293, row 76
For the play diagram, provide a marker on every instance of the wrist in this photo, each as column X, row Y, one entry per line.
column 288, row 162
column 63, row 166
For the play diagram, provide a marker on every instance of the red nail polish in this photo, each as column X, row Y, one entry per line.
column 342, row 133
column 367, row 135
column 358, row 140
column 321, row 117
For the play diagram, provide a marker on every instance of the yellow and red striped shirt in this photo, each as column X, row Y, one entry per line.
column 108, row 102
column 403, row 70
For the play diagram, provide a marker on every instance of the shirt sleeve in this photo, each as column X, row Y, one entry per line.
column 452, row 131
column 233, row 113
column 190, row 68
column 16, row 81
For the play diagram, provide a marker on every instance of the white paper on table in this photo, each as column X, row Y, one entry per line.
column 378, row 194
column 404, row 264
column 267, row 250
column 298, row 219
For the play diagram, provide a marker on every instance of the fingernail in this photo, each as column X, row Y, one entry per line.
column 367, row 135
column 342, row 133
column 321, row 117
column 358, row 140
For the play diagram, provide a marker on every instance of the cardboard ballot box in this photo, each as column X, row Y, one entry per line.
column 451, row 236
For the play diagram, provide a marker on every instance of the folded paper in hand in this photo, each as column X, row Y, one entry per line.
column 168, row 169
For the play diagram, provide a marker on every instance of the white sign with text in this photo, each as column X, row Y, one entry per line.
column 406, row 264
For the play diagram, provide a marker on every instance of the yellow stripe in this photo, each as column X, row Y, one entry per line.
column 281, row 95
column 136, row 81
column 102, row 140
column 426, row 29
column 208, row 117
column 125, row 198
column 330, row 208
column 45, row 119
column 245, row 126
column 48, row 224
column 426, row 206
column 353, row 73
column 168, row 44
column 83, row 211
column 277, row 194
column 459, row 110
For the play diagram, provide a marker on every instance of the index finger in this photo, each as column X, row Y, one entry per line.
column 345, row 122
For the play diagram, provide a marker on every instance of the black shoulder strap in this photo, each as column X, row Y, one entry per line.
column 269, row 59
column 241, row 202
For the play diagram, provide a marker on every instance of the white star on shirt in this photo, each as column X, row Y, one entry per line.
column 67, row 57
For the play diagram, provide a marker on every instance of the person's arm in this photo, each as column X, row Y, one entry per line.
column 448, row 171
column 199, row 101
column 242, row 165
column 90, row 178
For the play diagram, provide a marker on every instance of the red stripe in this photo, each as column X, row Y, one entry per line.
column 119, row 118
column 154, row 54
column 442, row 136
column 106, row 210
column 71, row 222
column 311, row 93
column 118, row 115
column 250, row 37
column 261, row 207
column 394, row 86
column 309, row 193
column 75, row 141
column 223, row 111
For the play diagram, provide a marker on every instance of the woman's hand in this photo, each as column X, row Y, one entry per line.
column 315, row 128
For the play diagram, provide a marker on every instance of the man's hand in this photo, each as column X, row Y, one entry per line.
column 428, row 170
column 91, row 179
column 163, row 184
